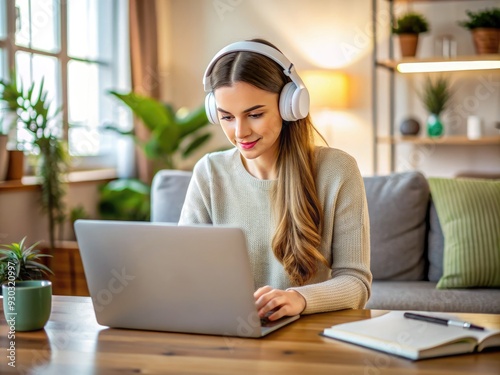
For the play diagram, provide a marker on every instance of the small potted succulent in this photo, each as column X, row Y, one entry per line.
column 26, row 261
column 408, row 27
column 485, row 28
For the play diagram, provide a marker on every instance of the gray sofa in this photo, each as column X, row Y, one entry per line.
column 406, row 243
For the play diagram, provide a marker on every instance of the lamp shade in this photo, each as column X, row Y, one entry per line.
column 327, row 89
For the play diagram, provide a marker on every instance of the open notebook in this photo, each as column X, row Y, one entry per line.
column 394, row 334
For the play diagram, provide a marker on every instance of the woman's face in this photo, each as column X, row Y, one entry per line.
column 251, row 120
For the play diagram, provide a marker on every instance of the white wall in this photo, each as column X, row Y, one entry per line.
column 329, row 34
column 310, row 34
column 20, row 213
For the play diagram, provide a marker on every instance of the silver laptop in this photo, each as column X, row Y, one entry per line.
column 164, row 277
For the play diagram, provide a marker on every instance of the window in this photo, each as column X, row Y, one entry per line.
column 80, row 48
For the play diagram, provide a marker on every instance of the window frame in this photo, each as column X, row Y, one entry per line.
column 120, row 76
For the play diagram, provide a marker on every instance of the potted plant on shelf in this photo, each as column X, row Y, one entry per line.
column 485, row 28
column 435, row 97
column 408, row 28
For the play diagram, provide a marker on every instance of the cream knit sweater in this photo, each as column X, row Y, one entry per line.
column 223, row 192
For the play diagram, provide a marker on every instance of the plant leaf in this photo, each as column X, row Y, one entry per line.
column 152, row 113
column 195, row 144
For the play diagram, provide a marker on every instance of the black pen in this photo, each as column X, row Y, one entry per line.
column 446, row 322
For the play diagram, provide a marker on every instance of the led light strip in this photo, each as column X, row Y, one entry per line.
column 447, row 66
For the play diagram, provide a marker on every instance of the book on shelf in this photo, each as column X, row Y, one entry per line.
column 414, row 339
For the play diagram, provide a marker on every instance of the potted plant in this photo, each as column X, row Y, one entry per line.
column 32, row 108
column 174, row 135
column 408, row 27
column 435, row 97
column 26, row 261
column 485, row 28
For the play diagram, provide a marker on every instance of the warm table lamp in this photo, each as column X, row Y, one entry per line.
column 328, row 89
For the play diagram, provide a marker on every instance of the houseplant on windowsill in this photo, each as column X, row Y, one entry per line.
column 52, row 158
column 408, row 27
column 485, row 28
column 435, row 96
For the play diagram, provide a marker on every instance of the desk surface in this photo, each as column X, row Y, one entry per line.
column 73, row 343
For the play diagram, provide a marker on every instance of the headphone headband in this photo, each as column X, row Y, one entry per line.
column 260, row 48
column 293, row 98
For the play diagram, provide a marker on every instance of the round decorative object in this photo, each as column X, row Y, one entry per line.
column 409, row 126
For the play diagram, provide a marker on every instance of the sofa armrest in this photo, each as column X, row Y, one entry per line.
column 168, row 192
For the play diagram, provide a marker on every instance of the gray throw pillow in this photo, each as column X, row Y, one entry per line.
column 397, row 206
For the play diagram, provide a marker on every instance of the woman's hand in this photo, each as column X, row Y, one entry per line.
column 281, row 302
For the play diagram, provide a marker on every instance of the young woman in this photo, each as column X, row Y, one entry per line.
column 302, row 207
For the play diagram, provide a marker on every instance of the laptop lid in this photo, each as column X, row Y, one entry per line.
column 165, row 277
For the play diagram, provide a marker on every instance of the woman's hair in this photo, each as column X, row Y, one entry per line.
column 297, row 210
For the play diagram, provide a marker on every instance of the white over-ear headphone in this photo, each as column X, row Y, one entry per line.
column 294, row 97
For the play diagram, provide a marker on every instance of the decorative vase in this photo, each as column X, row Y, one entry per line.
column 486, row 40
column 434, row 126
column 409, row 126
column 408, row 44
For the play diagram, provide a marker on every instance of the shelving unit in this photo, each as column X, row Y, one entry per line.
column 418, row 65
column 454, row 140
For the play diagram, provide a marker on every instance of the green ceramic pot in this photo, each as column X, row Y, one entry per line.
column 27, row 304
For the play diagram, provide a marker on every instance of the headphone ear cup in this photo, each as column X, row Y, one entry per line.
column 300, row 103
column 211, row 108
column 285, row 102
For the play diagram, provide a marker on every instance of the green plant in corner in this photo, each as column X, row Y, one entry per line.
column 171, row 133
column 125, row 199
column 24, row 263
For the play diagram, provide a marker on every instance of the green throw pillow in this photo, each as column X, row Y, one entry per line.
column 469, row 214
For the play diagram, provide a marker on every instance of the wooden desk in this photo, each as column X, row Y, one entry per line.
column 73, row 343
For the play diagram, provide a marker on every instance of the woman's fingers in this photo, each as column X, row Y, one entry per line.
column 276, row 303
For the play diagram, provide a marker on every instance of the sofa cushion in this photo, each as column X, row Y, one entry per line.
column 397, row 206
column 469, row 213
column 168, row 192
column 423, row 296
column 435, row 245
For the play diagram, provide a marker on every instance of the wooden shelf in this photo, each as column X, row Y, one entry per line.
column 455, row 140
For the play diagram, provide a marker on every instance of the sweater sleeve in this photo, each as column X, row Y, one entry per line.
column 350, row 284
column 197, row 205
